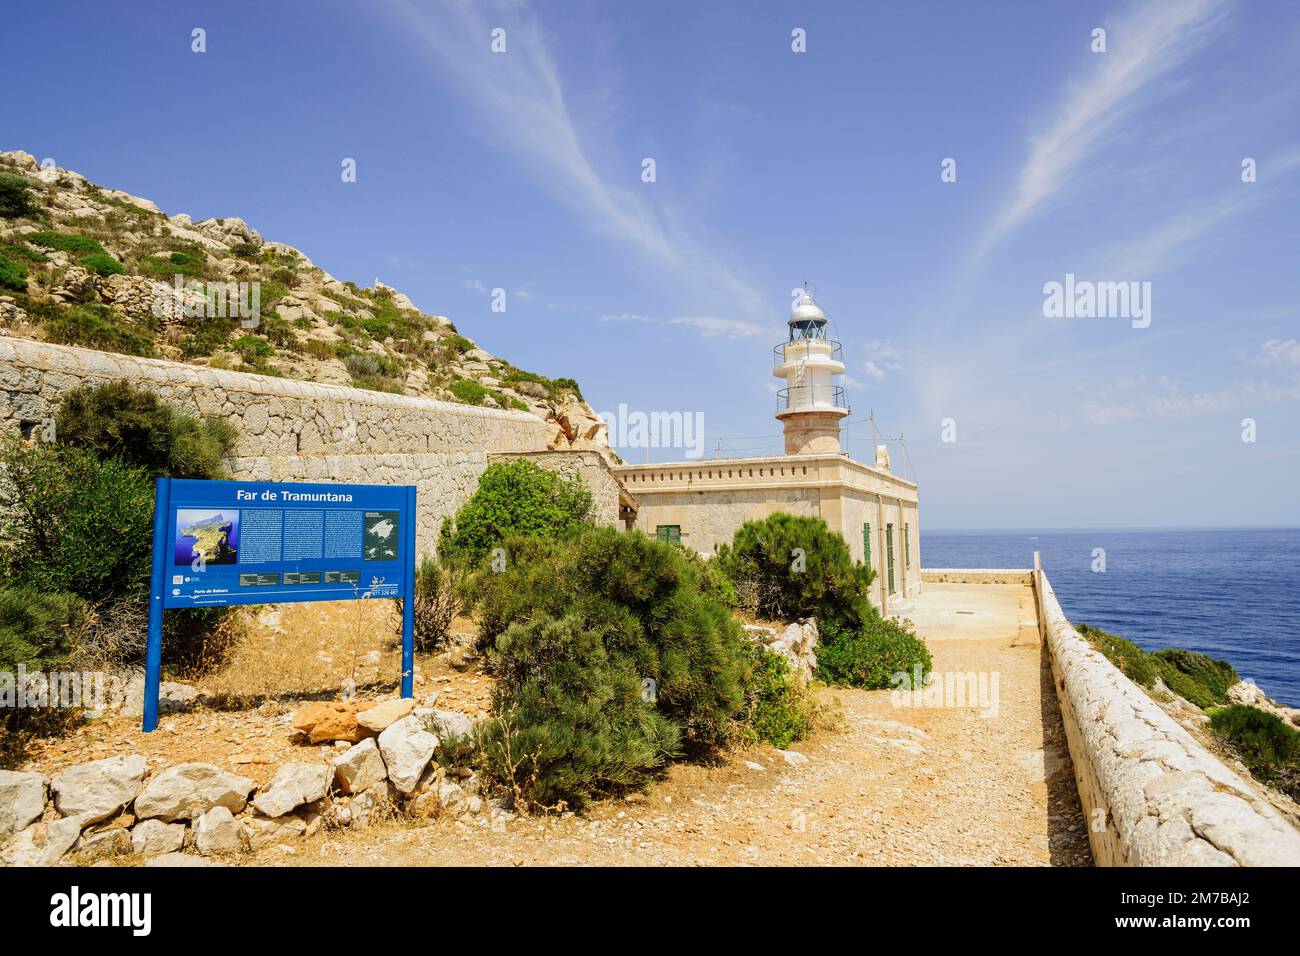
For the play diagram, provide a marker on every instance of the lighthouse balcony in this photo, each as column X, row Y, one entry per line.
column 813, row 353
column 811, row 398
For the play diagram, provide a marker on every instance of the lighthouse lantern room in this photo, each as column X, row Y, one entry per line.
column 811, row 405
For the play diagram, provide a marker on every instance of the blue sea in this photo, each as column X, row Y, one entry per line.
column 1233, row 594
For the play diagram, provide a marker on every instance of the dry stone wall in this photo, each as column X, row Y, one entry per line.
column 1152, row 794
column 304, row 431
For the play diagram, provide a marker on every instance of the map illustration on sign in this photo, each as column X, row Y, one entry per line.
column 381, row 535
column 214, row 534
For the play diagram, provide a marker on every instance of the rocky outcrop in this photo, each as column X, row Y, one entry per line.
column 360, row 768
column 311, row 311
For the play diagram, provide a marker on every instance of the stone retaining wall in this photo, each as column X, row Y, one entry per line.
column 1153, row 795
column 303, row 431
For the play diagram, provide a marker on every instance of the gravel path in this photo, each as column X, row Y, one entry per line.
column 893, row 785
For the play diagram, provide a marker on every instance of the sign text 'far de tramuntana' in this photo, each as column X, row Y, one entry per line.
column 219, row 543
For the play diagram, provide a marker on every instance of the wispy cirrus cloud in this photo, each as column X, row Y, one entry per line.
column 523, row 98
column 1146, row 44
column 708, row 326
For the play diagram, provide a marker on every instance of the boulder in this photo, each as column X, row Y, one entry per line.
column 325, row 720
column 22, row 800
column 450, row 723
column 99, row 789
column 451, row 798
column 151, row 837
column 190, row 790
column 265, row 831
column 360, row 768
column 369, row 805
column 379, row 718
column 793, row 758
column 407, row 749
column 293, row 785
column 42, row 844
column 217, row 831
column 115, row 841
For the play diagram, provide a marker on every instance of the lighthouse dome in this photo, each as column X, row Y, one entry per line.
column 806, row 318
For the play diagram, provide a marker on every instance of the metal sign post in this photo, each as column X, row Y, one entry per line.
column 223, row 543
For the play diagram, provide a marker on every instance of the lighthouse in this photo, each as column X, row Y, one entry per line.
column 811, row 405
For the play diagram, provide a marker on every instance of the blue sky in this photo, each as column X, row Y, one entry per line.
column 522, row 170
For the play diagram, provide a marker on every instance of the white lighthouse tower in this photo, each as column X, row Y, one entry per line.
column 811, row 405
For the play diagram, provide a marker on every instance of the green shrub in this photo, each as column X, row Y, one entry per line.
column 790, row 566
column 169, row 266
column 73, row 523
column 1135, row 663
column 102, row 264
column 1205, row 677
column 38, row 627
column 515, row 497
column 252, row 347
column 635, row 600
column 94, row 326
column 1266, row 744
column 20, row 250
column 207, row 335
column 460, row 343
column 468, row 391
column 869, row 655
column 64, row 242
column 570, row 719
column 778, row 705
column 118, row 420
column 14, row 200
column 13, row 274
column 246, row 250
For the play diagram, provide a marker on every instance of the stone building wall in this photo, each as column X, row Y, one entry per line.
column 303, row 431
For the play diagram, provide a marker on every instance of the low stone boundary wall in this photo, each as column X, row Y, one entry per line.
column 977, row 576
column 1152, row 795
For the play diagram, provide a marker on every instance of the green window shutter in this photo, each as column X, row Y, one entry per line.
column 907, row 545
column 669, row 533
column 866, row 542
column 889, row 554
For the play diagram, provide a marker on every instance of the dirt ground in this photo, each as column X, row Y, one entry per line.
column 893, row 785
column 967, row 783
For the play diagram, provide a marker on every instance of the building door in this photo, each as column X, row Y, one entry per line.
column 889, row 554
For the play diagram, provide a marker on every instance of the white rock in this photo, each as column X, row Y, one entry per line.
column 450, row 723
column 60, row 837
column 793, row 757
column 99, row 789
column 360, row 768
column 368, row 805
column 451, row 798
column 407, row 749
column 753, row 766
column 217, row 831
column 22, row 800
column 115, row 841
column 151, row 837
column 293, row 785
column 189, row 790
column 264, row 831
column 384, row 714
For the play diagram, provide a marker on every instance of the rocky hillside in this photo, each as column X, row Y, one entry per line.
column 82, row 264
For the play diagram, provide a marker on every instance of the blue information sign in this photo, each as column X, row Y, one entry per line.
column 218, row 543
